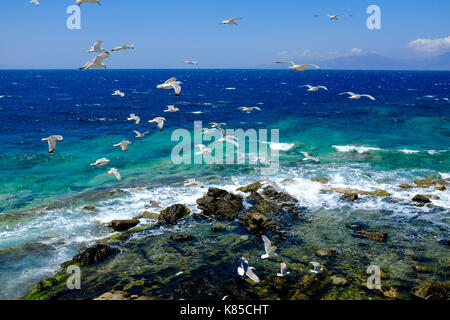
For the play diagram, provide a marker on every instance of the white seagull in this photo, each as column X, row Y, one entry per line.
column 115, row 172
column 36, row 2
column 52, row 142
column 118, row 93
column 96, row 47
column 203, row 149
column 355, row 96
column 217, row 125
column 80, row 2
column 248, row 109
column 140, row 135
column 299, row 67
column 225, row 138
column 100, row 162
column 159, row 121
column 123, row 145
column 193, row 182
column 171, row 83
column 231, row 21
column 317, row 267
column 333, row 16
column 171, row 108
column 309, row 157
column 245, row 269
column 134, row 117
column 124, row 47
column 270, row 250
column 191, row 62
column 208, row 131
column 313, row 88
column 283, row 271
column 97, row 62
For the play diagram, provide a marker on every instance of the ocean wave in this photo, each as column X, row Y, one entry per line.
column 353, row 148
column 281, row 146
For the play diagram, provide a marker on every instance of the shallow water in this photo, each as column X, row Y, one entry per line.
column 361, row 144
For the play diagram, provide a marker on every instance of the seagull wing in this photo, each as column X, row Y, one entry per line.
column 98, row 59
column 171, row 80
column 252, row 275
column 322, row 87
column 97, row 45
column 177, row 88
column 267, row 244
column 368, row 96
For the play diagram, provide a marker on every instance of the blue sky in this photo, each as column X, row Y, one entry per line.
column 166, row 33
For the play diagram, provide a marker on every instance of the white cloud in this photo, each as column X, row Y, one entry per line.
column 356, row 51
column 431, row 45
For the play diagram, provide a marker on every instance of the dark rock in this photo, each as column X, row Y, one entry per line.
column 278, row 196
column 356, row 226
column 89, row 208
column 251, row 187
column 421, row 198
column 405, row 186
column 428, row 182
column 221, row 204
column 91, row 255
column 256, row 222
column 122, row 225
column 375, row 235
column 172, row 214
column 441, row 188
column 350, row 196
column 445, row 242
column 181, row 237
column 113, row 295
column 218, row 227
column 281, row 284
column 325, row 253
column 436, row 291
column 150, row 215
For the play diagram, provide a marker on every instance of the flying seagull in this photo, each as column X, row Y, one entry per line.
column 115, row 172
column 317, row 267
column 245, row 269
column 270, row 250
column 123, row 145
column 333, row 16
column 299, row 67
column 80, row 2
column 313, row 88
column 124, row 47
column 283, row 271
column 171, row 108
column 208, row 131
column 36, row 2
column 100, row 162
column 171, row 83
column 118, row 93
column 191, row 62
column 225, row 138
column 193, row 182
column 140, row 135
column 96, row 47
column 309, row 157
column 355, row 96
column 52, row 142
column 203, row 149
column 134, row 117
column 231, row 21
column 159, row 121
column 97, row 62
column 248, row 109
column 217, row 125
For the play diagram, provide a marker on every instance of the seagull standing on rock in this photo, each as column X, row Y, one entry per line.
column 123, row 145
column 52, row 142
column 171, row 83
column 270, row 250
column 159, row 121
column 245, row 270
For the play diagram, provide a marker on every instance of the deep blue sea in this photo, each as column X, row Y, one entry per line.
column 363, row 144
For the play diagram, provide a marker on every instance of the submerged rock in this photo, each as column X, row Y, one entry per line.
column 326, row 253
column 338, row 281
column 172, row 214
column 428, row 182
column 350, row 196
column 421, row 198
column 374, row 235
column 181, row 237
column 405, row 186
column 321, row 180
column 122, row 225
column 96, row 253
column 436, row 291
column 89, row 208
column 421, row 269
column 376, row 193
column 218, row 227
column 221, row 204
column 390, row 293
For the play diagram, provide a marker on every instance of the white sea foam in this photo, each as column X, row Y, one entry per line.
column 353, row 148
column 281, row 146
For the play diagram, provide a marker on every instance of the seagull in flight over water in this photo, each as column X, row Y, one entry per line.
column 191, row 62
column 115, row 172
column 245, row 269
column 52, row 142
column 159, row 121
column 203, row 149
column 313, row 88
column 309, row 157
column 96, row 47
column 100, row 162
column 355, row 96
column 225, row 138
column 270, row 250
column 125, row 47
column 333, row 16
column 118, row 93
column 140, row 135
column 248, row 109
column 299, row 67
column 123, row 145
column 97, row 62
column 171, row 108
column 134, row 117
column 171, row 83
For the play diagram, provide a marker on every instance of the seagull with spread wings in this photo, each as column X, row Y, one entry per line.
column 245, row 270
column 333, row 16
column 123, row 145
column 97, row 62
column 355, row 96
column 313, row 88
column 52, row 142
column 299, row 67
column 231, row 21
column 171, row 83
column 80, row 2
column 134, row 117
column 115, row 172
column 96, row 47
column 270, row 250
column 159, row 122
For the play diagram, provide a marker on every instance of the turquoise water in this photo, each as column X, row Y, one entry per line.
column 362, row 144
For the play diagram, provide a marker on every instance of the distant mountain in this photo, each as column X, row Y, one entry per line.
column 374, row 61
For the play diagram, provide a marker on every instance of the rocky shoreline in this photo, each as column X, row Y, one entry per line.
column 147, row 261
